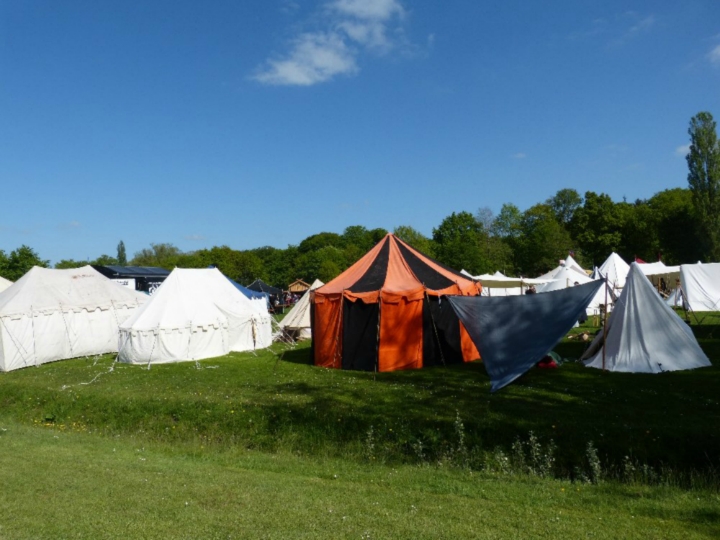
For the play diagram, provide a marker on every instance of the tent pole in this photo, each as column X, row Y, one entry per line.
column 605, row 323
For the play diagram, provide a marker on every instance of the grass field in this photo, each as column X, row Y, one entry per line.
column 264, row 447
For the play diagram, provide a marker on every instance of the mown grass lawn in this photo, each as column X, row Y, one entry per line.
column 253, row 443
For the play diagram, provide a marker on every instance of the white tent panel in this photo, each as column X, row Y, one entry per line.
column 644, row 335
column 53, row 315
column 4, row 283
column 615, row 269
column 564, row 277
column 194, row 314
column 701, row 283
column 297, row 319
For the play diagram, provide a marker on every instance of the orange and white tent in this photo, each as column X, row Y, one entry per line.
column 386, row 313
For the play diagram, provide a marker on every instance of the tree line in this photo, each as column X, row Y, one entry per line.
column 680, row 225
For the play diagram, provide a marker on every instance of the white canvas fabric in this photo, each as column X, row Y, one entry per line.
column 676, row 299
column 50, row 315
column 4, row 283
column 297, row 320
column 644, row 335
column 615, row 269
column 498, row 284
column 565, row 276
column 568, row 263
column 701, row 283
column 194, row 314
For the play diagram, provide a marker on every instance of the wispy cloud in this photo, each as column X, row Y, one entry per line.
column 195, row 237
column 714, row 56
column 519, row 155
column 69, row 225
column 348, row 28
column 617, row 31
column 683, row 150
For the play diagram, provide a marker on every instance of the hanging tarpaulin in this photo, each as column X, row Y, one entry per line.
column 513, row 333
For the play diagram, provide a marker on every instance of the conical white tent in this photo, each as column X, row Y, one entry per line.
column 564, row 277
column 50, row 315
column 194, row 314
column 569, row 263
column 644, row 335
column 4, row 283
column 615, row 269
column 297, row 320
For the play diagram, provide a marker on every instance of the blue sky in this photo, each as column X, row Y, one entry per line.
column 262, row 122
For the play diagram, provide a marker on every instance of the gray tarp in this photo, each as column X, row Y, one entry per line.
column 513, row 333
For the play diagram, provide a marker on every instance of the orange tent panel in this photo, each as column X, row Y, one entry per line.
column 401, row 335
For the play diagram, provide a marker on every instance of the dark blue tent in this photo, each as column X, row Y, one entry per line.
column 513, row 333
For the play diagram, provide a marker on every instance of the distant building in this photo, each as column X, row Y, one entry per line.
column 140, row 278
column 298, row 287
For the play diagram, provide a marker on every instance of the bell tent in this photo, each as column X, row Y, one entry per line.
column 297, row 321
column 386, row 313
column 195, row 314
column 615, row 269
column 644, row 334
column 50, row 315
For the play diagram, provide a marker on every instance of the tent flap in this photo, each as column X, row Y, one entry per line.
column 513, row 333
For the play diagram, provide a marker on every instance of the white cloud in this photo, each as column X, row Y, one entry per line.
column 69, row 225
column 350, row 26
column 714, row 56
column 519, row 155
column 683, row 150
column 315, row 58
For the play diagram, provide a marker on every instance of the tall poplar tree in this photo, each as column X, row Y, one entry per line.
column 704, row 179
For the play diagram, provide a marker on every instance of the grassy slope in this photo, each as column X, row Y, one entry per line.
column 63, row 485
column 198, row 425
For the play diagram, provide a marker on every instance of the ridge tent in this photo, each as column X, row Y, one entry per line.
column 385, row 313
column 498, row 284
column 195, row 314
column 658, row 271
column 50, row 315
column 262, row 299
column 701, row 285
column 644, row 335
column 260, row 286
column 4, row 283
column 297, row 320
column 514, row 333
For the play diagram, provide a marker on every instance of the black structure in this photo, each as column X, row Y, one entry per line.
column 147, row 278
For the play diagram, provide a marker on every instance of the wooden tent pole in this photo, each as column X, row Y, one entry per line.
column 605, row 323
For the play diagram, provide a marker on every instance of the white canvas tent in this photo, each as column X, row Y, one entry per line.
column 498, row 284
column 568, row 263
column 194, row 314
column 701, row 285
column 50, row 315
column 564, row 277
column 297, row 320
column 676, row 298
column 644, row 335
column 615, row 269
column 4, row 283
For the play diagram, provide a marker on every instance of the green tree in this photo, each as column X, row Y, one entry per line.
column 542, row 241
column 65, row 264
column 321, row 240
column 20, row 260
column 596, row 227
column 121, row 254
column 415, row 239
column 105, row 260
column 703, row 161
column 564, row 203
column 678, row 234
column 162, row 255
column 459, row 240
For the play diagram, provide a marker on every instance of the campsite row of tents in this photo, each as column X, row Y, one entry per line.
column 393, row 309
